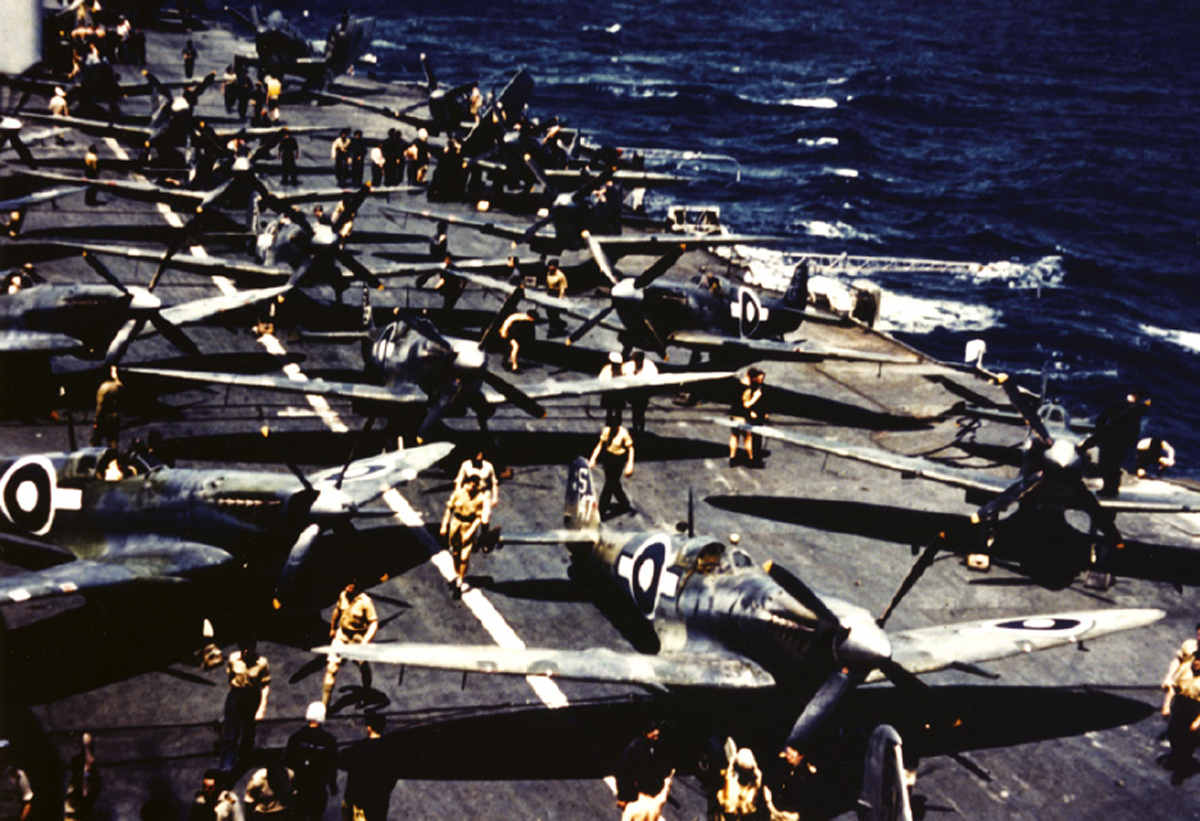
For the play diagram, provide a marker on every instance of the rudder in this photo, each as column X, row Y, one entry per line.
column 581, row 510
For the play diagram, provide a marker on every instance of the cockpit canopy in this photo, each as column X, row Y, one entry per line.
column 710, row 557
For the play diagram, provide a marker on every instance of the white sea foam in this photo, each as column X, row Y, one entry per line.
column 819, row 142
column 901, row 312
column 836, row 81
column 1188, row 340
column 852, row 173
column 836, row 230
column 810, row 102
column 1046, row 272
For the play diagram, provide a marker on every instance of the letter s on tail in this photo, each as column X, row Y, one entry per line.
column 581, row 511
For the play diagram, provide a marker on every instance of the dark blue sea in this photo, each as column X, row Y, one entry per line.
column 1058, row 136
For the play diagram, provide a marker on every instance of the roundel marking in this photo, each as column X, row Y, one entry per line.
column 642, row 570
column 361, row 470
column 27, row 494
column 1040, row 624
column 751, row 313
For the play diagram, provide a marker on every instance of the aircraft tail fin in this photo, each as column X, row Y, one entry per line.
column 581, row 510
column 796, row 295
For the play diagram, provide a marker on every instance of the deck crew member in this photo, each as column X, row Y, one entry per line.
column 614, row 450
column 353, row 621
column 482, row 471
column 289, row 150
column 468, row 511
column 416, row 158
column 245, row 704
column 643, row 769
column 311, row 752
column 1183, row 657
column 749, row 407
column 107, row 427
column 1154, row 455
column 1117, row 430
column 339, row 152
column 517, row 329
column 189, row 59
column 556, row 286
column 16, row 796
column 91, row 170
column 639, row 365
column 612, row 402
column 358, row 153
column 1183, row 729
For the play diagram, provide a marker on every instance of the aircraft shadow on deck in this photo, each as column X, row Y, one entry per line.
column 943, row 720
column 1142, row 560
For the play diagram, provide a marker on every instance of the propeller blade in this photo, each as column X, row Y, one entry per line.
column 22, row 151
column 430, row 79
column 589, row 323
column 532, row 230
column 657, row 269
column 601, row 258
column 359, row 270
column 120, row 342
column 425, row 328
column 437, row 409
column 350, row 205
column 285, row 585
column 1007, row 498
column 660, row 346
column 514, row 394
column 350, row 456
column 104, row 272
column 819, row 708
column 923, row 563
column 691, row 519
column 510, row 305
column 537, row 172
column 1027, row 410
column 1103, row 520
column 303, row 481
column 801, row 592
column 173, row 335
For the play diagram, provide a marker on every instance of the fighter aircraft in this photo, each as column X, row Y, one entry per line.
column 127, row 519
column 725, row 623
column 421, row 366
column 708, row 313
column 283, row 49
column 1055, row 462
column 46, row 319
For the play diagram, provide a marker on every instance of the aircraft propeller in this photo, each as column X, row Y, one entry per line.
column 144, row 307
column 858, row 647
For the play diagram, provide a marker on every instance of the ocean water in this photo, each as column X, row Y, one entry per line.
column 1057, row 140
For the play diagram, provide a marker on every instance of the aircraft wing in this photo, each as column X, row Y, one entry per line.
column 598, row 664
column 19, row 341
column 801, row 350
column 620, row 244
column 178, row 198
column 913, row 466
column 45, row 195
column 568, row 306
column 399, row 395
column 365, row 480
column 496, row 229
column 156, row 560
column 1152, row 496
column 926, row 649
column 100, row 127
column 331, row 194
column 199, row 310
column 241, row 272
column 554, row 388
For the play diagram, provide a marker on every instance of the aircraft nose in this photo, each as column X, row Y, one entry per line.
column 625, row 290
column 866, row 641
column 469, row 357
column 1062, row 454
column 143, row 300
column 331, row 501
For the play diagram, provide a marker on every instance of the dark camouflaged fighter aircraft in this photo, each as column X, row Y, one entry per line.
column 103, row 519
column 724, row 622
column 420, row 366
column 100, row 321
column 708, row 313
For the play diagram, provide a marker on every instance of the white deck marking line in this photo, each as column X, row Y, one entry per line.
column 546, row 690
